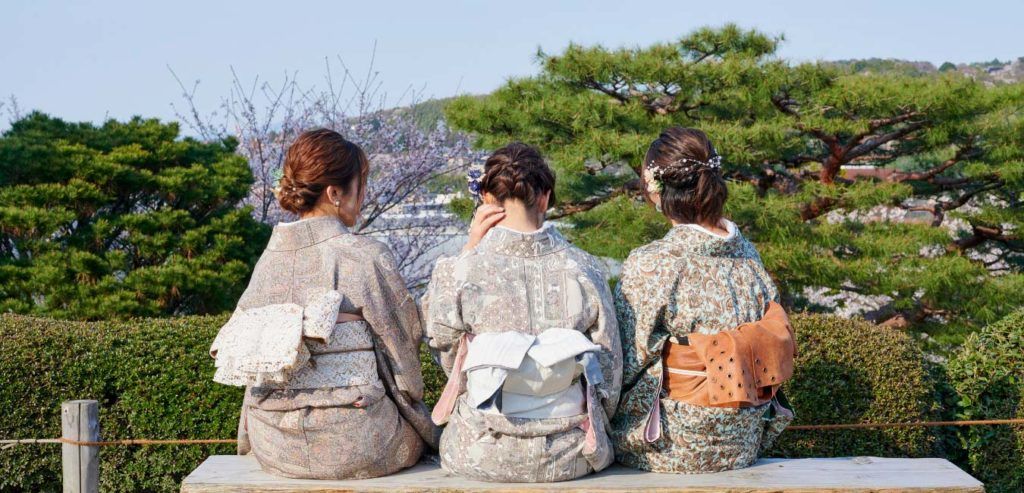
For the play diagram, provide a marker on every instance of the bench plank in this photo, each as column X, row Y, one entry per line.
column 223, row 473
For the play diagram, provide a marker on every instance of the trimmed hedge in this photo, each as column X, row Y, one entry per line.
column 852, row 371
column 153, row 380
column 988, row 374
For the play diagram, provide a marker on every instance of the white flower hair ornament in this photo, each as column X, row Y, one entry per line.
column 653, row 184
column 687, row 167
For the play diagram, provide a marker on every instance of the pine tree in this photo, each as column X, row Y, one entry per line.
column 121, row 220
column 940, row 150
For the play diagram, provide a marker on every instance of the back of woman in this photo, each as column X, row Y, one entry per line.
column 523, row 325
column 326, row 336
column 703, row 277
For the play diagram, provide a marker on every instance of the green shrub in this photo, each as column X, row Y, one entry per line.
column 125, row 219
column 850, row 371
column 988, row 374
column 153, row 379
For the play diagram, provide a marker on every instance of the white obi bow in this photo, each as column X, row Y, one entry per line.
column 527, row 376
column 264, row 345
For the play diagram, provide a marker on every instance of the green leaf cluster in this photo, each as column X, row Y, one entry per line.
column 121, row 220
column 988, row 374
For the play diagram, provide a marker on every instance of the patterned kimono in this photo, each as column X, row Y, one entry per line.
column 529, row 283
column 348, row 404
column 689, row 281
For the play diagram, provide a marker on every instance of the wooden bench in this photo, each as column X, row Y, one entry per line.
column 223, row 473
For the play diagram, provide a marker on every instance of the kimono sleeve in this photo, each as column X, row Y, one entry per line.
column 442, row 312
column 604, row 331
column 638, row 307
column 392, row 314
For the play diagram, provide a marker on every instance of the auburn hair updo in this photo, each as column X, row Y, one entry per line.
column 518, row 171
column 318, row 159
column 690, row 193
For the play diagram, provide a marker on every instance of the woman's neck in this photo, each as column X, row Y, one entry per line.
column 519, row 218
column 718, row 229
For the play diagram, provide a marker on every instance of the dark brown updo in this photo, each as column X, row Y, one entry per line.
column 318, row 159
column 690, row 193
column 518, row 171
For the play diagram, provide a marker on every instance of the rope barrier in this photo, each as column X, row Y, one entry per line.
column 213, row 441
column 146, row 441
column 851, row 426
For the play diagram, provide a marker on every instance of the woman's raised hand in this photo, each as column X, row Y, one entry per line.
column 484, row 219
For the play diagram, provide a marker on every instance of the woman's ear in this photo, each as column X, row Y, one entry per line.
column 334, row 195
column 489, row 199
column 543, row 201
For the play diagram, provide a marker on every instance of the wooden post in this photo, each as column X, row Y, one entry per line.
column 80, row 420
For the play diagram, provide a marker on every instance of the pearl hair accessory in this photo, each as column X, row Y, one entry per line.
column 278, row 190
column 653, row 172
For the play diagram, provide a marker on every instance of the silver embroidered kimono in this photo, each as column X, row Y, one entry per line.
column 689, row 281
column 349, row 403
column 529, row 283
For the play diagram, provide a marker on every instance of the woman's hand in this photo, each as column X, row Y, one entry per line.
column 484, row 219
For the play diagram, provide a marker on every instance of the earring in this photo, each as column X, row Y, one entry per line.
column 337, row 203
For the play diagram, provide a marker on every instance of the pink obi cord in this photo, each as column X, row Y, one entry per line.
column 652, row 432
column 587, row 425
column 446, row 403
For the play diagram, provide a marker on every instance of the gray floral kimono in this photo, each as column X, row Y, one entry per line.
column 536, row 284
column 327, row 400
column 689, row 281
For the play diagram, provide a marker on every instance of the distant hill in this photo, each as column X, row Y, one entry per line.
column 993, row 72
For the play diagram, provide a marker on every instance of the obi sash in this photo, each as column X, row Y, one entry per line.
column 525, row 376
column 742, row 367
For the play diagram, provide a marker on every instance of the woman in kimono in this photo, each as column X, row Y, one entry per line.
column 524, row 327
column 679, row 303
column 326, row 336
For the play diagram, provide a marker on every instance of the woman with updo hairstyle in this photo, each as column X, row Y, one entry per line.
column 705, row 343
column 522, row 323
column 326, row 336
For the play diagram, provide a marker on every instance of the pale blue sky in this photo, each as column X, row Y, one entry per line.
column 85, row 60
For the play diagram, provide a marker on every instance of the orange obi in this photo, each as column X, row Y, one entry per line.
column 741, row 367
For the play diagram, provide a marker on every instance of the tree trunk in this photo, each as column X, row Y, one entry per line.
column 830, row 168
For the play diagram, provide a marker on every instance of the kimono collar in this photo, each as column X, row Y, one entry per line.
column 695, row 239
column 305, row 232
column 506, row 241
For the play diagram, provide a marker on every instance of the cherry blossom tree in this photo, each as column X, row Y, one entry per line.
column 412, row 154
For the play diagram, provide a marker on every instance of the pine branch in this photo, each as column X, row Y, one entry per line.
column 571, row 208
column 981, row 234
column 929, row 175
column 590, row 83
column 874, row 142
column 817, row 207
